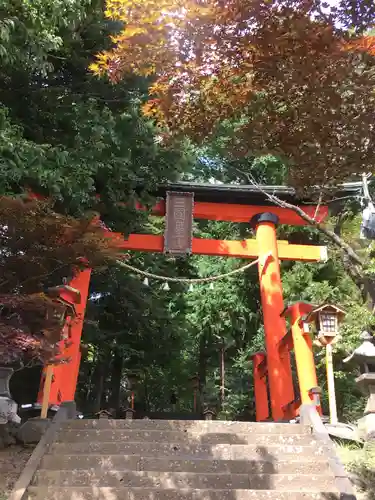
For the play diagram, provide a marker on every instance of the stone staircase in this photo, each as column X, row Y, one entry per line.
column 184, row 460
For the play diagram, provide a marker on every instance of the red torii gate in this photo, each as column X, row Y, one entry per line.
column 225, row 203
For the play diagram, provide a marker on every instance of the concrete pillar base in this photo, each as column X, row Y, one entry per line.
column 33, row 429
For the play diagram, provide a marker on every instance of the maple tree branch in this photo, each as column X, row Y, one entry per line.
column 311, row 221
column 35, row 361
column 318, row 206
column 38, row 277
column 328, row 232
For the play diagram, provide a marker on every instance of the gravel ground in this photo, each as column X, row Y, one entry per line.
column 12, row 461
column 360, row 464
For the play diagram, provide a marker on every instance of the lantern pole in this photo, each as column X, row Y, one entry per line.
column 195, row 382
column 222, row 373
column 47, row 391
column 331, row 385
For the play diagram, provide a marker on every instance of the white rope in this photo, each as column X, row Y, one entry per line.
column 210, row 279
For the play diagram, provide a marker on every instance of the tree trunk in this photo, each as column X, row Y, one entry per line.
column 98, row 379
column 202, row 371
column 146, row 393
column 222, row 375
column 98, row 386
column 116, row 375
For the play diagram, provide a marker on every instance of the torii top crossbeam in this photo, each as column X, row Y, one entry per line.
column 248, row 194
column 239, row 203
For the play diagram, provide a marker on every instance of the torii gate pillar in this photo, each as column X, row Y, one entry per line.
column 278, row 360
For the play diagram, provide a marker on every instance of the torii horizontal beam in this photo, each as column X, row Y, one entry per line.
column 246, row 249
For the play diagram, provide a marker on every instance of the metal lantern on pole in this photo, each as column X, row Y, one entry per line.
column 327, row 319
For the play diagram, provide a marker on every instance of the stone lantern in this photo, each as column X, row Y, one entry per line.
column 5, row 374
column 364, row 357
column 8, row 407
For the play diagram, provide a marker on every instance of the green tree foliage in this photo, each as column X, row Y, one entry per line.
column 39, row 25
column 67, row 136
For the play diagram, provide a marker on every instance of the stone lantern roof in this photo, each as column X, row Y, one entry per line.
column 365, row 353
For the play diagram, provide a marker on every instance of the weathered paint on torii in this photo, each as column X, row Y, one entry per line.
column 264, row 218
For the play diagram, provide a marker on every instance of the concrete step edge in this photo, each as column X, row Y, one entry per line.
column 318, row 458
column 127, row 493
column 190, row 480
column 180, row 424
column 166, row 437
column 181, row 432
column 215, row 452
column 205, row 422
column 184, row 474
column 172, row 463
column 254, row 450
column 308, row 446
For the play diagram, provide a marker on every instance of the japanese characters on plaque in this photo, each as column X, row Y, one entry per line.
column 178, row 235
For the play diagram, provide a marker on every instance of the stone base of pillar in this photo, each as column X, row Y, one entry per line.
column 370, row 407
column 33, row 429
column 366, row 427
column 71, row 409
column 8, row 434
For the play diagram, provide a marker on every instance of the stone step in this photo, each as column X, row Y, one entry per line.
column 124, row 493
column 200, row 425
column 187, row 436
column 265, row 464
column 183, row 480
column 219, row 451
